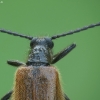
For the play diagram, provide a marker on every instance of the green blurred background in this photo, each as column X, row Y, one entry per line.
column 80, row 70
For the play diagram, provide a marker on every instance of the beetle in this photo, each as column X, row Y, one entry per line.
column 37, row 79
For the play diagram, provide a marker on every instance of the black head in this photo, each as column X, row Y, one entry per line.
column 41, row 51
column 46, row 42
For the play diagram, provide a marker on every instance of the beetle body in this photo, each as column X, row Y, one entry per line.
column 37, row 79
column 37, row 83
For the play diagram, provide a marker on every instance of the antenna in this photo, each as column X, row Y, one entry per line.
column 76, row 31
column 16, row 34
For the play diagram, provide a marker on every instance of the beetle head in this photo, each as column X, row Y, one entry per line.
column 41, row 51
column 46, row 42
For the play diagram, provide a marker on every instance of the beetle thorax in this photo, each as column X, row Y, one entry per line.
column 40, row 53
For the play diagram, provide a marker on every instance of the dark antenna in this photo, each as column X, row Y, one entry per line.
column 76, row 31
column 16, row 34
column 53, row 37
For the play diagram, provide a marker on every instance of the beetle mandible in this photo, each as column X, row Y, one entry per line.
column 37, row 79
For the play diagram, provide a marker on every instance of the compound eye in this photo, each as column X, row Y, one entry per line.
column 49, row 43
column 33, row 41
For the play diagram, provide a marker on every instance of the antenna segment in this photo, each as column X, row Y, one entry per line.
column 76, row 31
column 16, row 34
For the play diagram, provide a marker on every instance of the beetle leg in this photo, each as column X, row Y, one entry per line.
column 7, row 96
column 66, row 97
column 63, row 53
column 15, row 63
